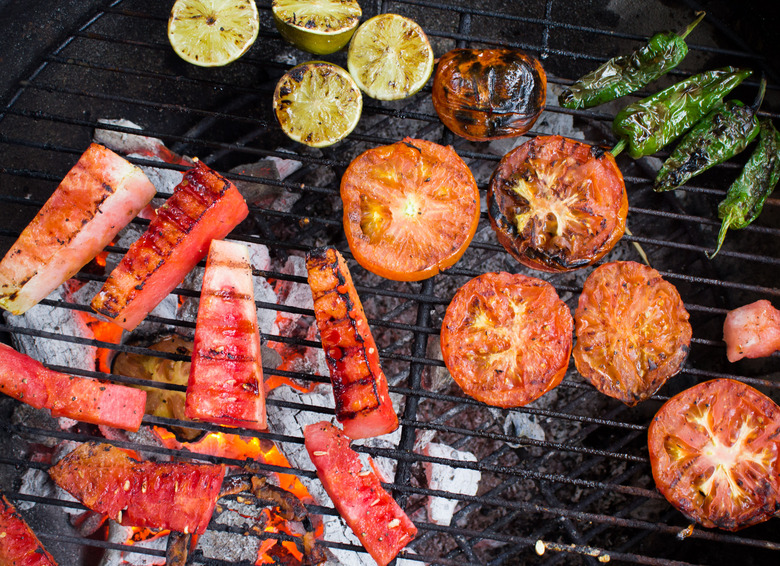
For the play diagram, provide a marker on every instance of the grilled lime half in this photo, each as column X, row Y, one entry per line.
column 212, row 33
column 390, row 57
column 317, row 26
column 317, row 103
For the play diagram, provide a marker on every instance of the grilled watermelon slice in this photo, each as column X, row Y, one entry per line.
column 226, row 375
column 98, row 197
column 179, row 496
column 79, row 398
column 18, row 544
column 205, row 206
column 360, row 390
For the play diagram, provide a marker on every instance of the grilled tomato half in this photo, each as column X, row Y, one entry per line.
column 410, row 209
column 487, row 94
column 632, row 331
column 557, row 204
column 715, row 454
column 506, row 338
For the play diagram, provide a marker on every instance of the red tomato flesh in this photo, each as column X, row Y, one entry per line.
column 204, row 206
column 557, row 204
column 632, row 329
column 410, row 209
column 18, row 544
column 179, row 496
column 357, row 493
column 507, row 338
column 363, row 404
column 79, row 398
column 226, row 375
column 715, row 454
column 752, row 331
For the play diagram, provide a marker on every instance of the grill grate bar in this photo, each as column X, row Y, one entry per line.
column 579, row 530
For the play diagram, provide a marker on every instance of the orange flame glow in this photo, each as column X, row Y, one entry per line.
column 251, row 448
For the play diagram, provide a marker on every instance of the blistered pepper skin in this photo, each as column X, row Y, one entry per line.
column 486, row 94
column 648, row 125
column 625, row 74
column 746, row 196
column 719, row 136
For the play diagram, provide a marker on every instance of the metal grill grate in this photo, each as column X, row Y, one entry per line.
column 584, row 489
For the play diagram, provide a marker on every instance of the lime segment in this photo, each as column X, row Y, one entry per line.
column 317, row 26
column 390, row 57
column 212, row 33
column 317, row 103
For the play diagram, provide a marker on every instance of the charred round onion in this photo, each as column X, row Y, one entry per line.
column 485, row 94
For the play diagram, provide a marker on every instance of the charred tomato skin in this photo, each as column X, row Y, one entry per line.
column 486, row 94
column 715, row 454
column 557, row 204
column 506, row 338
column 632, row 331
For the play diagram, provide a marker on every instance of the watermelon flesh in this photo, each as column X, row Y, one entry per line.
column 18, row 544
column 203, row 207
column 98, row 197
column 226, row 375
column 79, row 398
column 180, row 496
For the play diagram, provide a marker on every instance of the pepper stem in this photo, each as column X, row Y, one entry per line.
column 760, row 96
column 618, row 147
column 721, row 236
column 693, row 24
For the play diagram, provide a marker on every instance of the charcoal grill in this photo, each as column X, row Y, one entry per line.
column 581, row 493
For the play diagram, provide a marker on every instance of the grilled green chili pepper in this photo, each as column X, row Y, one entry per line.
column 649, row 124
column 628, row 73
column 746, row 196
column 720, row 135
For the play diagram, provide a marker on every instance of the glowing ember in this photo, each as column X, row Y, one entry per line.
column 236, row 447
column 102, row 330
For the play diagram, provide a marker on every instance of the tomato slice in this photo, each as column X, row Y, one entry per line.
column 357, row 493
column 715, row 454
column 506, row 338
column 226, row 376
column 203, row 207
column 632, row 331
column 18, row 544
column 363, row 404
column 79, row 398
column 487, row 94
column 557, row 204
column 410, row 209
column 179, row 496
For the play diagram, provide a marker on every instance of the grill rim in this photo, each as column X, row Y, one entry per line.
column 421, row 332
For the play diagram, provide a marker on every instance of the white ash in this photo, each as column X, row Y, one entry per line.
column 442, row 477
column 124, row 142
column 144, row 147
column 523, row 425
column 57, row 320
column 164, row 180
column 296, row 294
column 258, row 193
column 38, row 483
column 120, row 534
column 260, row 259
